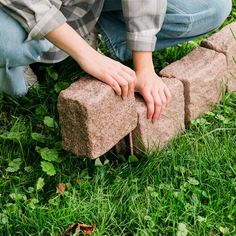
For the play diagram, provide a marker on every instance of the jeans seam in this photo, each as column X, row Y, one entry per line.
column 182, row 12
column 190, row 17
column 175, row 8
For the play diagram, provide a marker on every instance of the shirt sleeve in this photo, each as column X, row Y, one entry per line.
column 37, row 17
column 144, row 20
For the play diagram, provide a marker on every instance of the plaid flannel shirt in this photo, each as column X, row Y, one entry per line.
column 143, row 20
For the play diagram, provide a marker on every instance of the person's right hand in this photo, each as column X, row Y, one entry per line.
column 120, row 77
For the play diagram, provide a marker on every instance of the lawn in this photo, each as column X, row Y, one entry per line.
column 188, row 188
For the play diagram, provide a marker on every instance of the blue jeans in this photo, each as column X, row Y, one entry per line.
column 184, row 21
column 15, row 54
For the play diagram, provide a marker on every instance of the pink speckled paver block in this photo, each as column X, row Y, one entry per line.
column 224, row 42
column 201, row 72
column 93, row 118
column 150, row 136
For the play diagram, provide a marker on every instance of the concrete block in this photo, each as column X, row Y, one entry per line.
column 93, row 118
column 151, row 136
column 224, row 42
column 201, row 73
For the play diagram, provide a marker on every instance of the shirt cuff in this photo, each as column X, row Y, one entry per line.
column 52, row 19
column 138, row 42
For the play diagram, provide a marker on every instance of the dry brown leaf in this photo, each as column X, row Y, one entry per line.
column 77, row 228
column 87, row 229
column 71, row 229
column 61, row 188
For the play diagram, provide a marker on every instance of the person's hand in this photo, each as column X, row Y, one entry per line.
column 155, row 93
column 120, row 77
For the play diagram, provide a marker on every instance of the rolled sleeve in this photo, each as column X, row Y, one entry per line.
column 144, row 20
column 37, row 17
column 52, row 19
column 141, row 42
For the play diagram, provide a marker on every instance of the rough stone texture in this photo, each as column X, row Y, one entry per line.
column 201, row 72
column 149, row 136
column 93, row 118
column 224, row 42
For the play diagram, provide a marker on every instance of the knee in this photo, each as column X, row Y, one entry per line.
column 221, row 10
column 224, row 8
column 12, row 36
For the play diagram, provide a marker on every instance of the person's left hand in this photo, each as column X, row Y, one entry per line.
column 155, row 93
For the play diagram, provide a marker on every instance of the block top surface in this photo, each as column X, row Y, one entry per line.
column 222, row 41
column 198, row 63
column 82, row 89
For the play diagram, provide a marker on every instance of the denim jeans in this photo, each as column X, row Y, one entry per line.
column 15, row 54
column 184, row 21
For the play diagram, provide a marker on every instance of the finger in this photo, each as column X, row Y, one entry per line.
column 132, row 79
column 157, row 106
column 149, row 102
column 163, row 100
column 131, row 82
column 123, row 85
column 114, row 85
column 167, row 94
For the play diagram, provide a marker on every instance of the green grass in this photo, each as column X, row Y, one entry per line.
column 192, row 181
column 188, row 187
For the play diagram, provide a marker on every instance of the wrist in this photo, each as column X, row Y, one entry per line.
column 84, row 53
column 143, row 61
